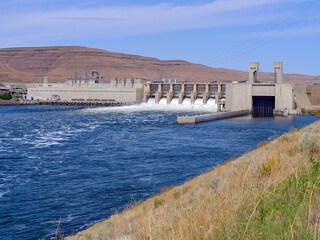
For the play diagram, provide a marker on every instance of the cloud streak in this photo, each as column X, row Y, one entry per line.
column 128, row 21
column 90, row 18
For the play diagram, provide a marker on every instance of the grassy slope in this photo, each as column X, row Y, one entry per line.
column 272, row 192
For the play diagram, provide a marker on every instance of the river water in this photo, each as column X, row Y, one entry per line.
column 77, row 166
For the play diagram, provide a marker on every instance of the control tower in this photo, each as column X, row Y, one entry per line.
column 278, row 72
column 253, row 69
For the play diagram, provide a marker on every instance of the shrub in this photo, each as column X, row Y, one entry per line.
column 315, row 166
column 309, row 144
column 185, row 189
column 269, row 166
column 166, row 189
column 317, row 113
column 6, row 96
column 158, row 202
column 176, row 194
column 292, row 151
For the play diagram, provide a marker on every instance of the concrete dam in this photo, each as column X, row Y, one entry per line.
column 191, row 92
column 89, row 90
column 259, row 99
column 251, row 96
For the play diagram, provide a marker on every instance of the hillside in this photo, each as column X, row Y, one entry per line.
column 272, row 192
column 32, row 64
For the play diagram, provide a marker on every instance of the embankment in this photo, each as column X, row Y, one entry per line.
column 272, row 192
column 9, row 103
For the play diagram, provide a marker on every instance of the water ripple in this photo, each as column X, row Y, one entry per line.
column 81, row 164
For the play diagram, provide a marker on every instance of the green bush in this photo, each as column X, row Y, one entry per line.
column 317, row 113
column 176, row 194
column 6, row 96
column 309, row 144
column 303, row 111
column 185, row 189
column 158, row 202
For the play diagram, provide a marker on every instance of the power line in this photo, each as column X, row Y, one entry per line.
column 259, row 41
column 230, row 53
column 269, row 40
column 268, row 29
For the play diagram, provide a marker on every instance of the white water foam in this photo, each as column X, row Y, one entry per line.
column 162, row 106
column 4, row 193
column 40, row 138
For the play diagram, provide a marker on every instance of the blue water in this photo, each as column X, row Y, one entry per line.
column 79, row 165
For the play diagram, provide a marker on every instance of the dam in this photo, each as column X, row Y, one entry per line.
column 251, row 96
column 182, row 91
column 261, row 99
column 88, row 91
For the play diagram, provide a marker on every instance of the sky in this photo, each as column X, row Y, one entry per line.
column 219, row 33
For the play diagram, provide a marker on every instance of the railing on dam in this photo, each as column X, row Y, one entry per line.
column 194, row 91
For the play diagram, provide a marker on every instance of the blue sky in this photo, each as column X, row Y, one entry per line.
column 220, row 33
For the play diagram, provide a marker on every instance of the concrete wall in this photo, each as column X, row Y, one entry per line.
column 263, row 90
column 284, row 96
column 238, row 96
column 211, row 117
column 100, row 91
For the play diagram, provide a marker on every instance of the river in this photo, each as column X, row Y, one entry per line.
column 77, row 165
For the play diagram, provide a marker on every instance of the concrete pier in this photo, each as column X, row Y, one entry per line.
column 280, row 113
column 194, row 91
column 210, row 117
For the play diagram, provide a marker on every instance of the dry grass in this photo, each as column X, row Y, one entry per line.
column 313, row 93
column 272, row 192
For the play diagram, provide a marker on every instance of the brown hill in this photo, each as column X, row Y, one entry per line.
column 32, row 64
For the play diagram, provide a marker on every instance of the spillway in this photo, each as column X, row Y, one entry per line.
column 198, row 101
column 163, row 101
column 175, row 101
column 186, row 101
column 162, row 106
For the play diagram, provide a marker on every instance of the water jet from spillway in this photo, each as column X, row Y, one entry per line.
column 162, row 106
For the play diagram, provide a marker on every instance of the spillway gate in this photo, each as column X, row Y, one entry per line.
column 204, row 91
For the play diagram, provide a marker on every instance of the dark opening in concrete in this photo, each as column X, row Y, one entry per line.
column 263, row 106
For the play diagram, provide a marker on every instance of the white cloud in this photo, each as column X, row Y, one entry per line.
column 125, row 21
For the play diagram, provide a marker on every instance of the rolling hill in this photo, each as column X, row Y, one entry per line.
column 22, row 65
